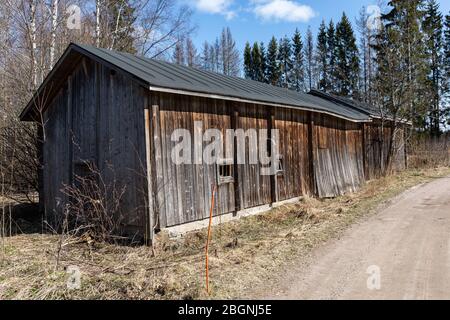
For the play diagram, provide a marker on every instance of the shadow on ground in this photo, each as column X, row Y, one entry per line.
column 22, row 218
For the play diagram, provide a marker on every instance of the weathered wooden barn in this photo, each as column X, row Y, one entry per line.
column 117, row 110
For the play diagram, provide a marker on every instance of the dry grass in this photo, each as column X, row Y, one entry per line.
column 244, row 254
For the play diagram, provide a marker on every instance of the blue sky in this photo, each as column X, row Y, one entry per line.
column 258, row 20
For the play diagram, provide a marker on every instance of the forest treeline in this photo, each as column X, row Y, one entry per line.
column 398, row 61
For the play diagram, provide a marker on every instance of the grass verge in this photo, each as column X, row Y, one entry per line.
column 244, row 255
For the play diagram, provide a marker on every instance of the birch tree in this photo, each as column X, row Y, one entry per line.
column 54, row 11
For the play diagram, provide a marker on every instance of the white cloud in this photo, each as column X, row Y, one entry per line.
column 216, row 7
column 283, row 10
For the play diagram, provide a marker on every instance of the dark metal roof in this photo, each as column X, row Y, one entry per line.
column 164, row 76
column 357, row 105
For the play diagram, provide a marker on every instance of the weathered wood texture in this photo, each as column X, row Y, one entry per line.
column 95, row 117
column 339, row 161
column 186, row 188
column 99, row 116
column 295, row 180
column 254, row 187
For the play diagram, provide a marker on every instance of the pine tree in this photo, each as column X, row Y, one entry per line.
column 347, row 63
column 331, row 57
column 298, row 71
column 191, row 54
column 284, row 57
column 248, row 63
column 433, row 27
column 403, row 43
column 273, row 67
column 263, row 68
column 322, row 58
column 309, row 58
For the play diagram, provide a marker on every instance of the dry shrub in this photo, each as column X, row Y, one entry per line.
column 425, row 151
column 93, row 206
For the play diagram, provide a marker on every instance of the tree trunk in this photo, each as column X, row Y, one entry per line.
column 97, row 22
column 54, row 26
column 33, row 43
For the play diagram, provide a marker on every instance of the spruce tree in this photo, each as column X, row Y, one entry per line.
column 331, row 56
column 256, row 63
column 322, row 58
column 284, row 57
column 120, row 18
column 309, row 58
column 263, row 67
column 206, row 58
column 446, row 63
column 447, row 47
column 298, row 68
column 273, row 67
column 347, row 59
column 433, row 27
column 248, row 63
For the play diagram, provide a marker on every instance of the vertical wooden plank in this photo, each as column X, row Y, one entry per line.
column 236, row 175
column 273, row 177
column 149, row 221
column 364, row 148
column 311, row 152
column 158, row 183
column 97, row 114
column 40, row 173
column 69, row 125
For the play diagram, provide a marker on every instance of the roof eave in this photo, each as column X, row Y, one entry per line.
column 237, row 99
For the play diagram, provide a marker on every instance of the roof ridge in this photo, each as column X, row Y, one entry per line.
column 164, row 76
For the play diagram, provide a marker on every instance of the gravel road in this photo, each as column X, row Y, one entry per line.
column 402, row 252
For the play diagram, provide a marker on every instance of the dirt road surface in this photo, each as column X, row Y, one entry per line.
column 402, row 252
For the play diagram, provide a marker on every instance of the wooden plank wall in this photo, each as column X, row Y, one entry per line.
column 254, row 187
column 295, row 181
column 121, row 152
column 97, row 117
column 186, row 188
column 55, row 156
column 102, row 112
column 184, row 192
column 339, row 158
